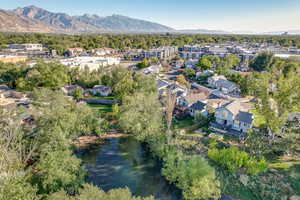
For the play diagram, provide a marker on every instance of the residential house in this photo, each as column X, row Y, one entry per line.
column 201, row 88
column 16, row 95
column 205, row 73
column 191, row 63
column 191, row 98
column 104, row 51
column 227, row 87
column 101, row 90
column 178, row 64
column 221, row 83
column 72, row 52
column 213, row 79
column 234, row 116
column 197, row 109
column 69, row 89
column 152, row 70
column 161, row 86
column 177, row 90
column 4, row 91
column 215, row 103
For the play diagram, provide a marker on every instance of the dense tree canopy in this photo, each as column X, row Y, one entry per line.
column 278, row 93
column 146, row 41
column 263, row 62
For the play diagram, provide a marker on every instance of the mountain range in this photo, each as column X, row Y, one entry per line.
column 34, row 19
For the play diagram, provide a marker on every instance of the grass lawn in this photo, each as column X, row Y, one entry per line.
column 101, row 108
column 184, row 123
column 194, row 135
column 106, row 98
column 259, row 120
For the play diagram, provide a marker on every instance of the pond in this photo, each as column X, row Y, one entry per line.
column 123, row 162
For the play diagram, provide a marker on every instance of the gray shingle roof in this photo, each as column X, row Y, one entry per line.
column 162, row 83
column 225, row 84
column 198, row 106
column 234, row 107
column 245, row 117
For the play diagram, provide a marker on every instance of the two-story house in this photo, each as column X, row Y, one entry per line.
column 233, row 116
column 198, row 108
column 191, row 98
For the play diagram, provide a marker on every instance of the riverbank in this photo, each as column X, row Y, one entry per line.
column 85, row 141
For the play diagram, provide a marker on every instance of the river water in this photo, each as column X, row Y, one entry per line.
column 123, row 162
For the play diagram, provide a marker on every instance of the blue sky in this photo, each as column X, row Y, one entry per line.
column 230, row 15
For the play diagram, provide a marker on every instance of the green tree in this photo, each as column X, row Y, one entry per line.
column 78, row 94
column 89, row 192
column 10, row 73
column 189, row 72
column 57, row 170
column 263, row 62
column 205, row 63
column 182, row 81
column 49, row 75
column 144, row 64
column 141, row 115
column 193, row 175
column 278, row 95
column 230, row 61
column 14, row 153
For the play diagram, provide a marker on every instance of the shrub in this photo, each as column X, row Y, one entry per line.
column 233, row 159
column 193, row 175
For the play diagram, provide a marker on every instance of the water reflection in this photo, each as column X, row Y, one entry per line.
column 122, row 162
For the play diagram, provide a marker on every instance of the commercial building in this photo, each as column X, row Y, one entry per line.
column 93, row 63
column 26, row 47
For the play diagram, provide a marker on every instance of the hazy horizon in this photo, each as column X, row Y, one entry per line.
column 225, row 15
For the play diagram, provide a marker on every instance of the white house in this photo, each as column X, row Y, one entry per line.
column 233, row 116
column 101, row 90
column 191, row 63
column 213, row 79
column 221, row 83
column 69, row 89
column 178, row 64
column 152, row 70
column 177, row 90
